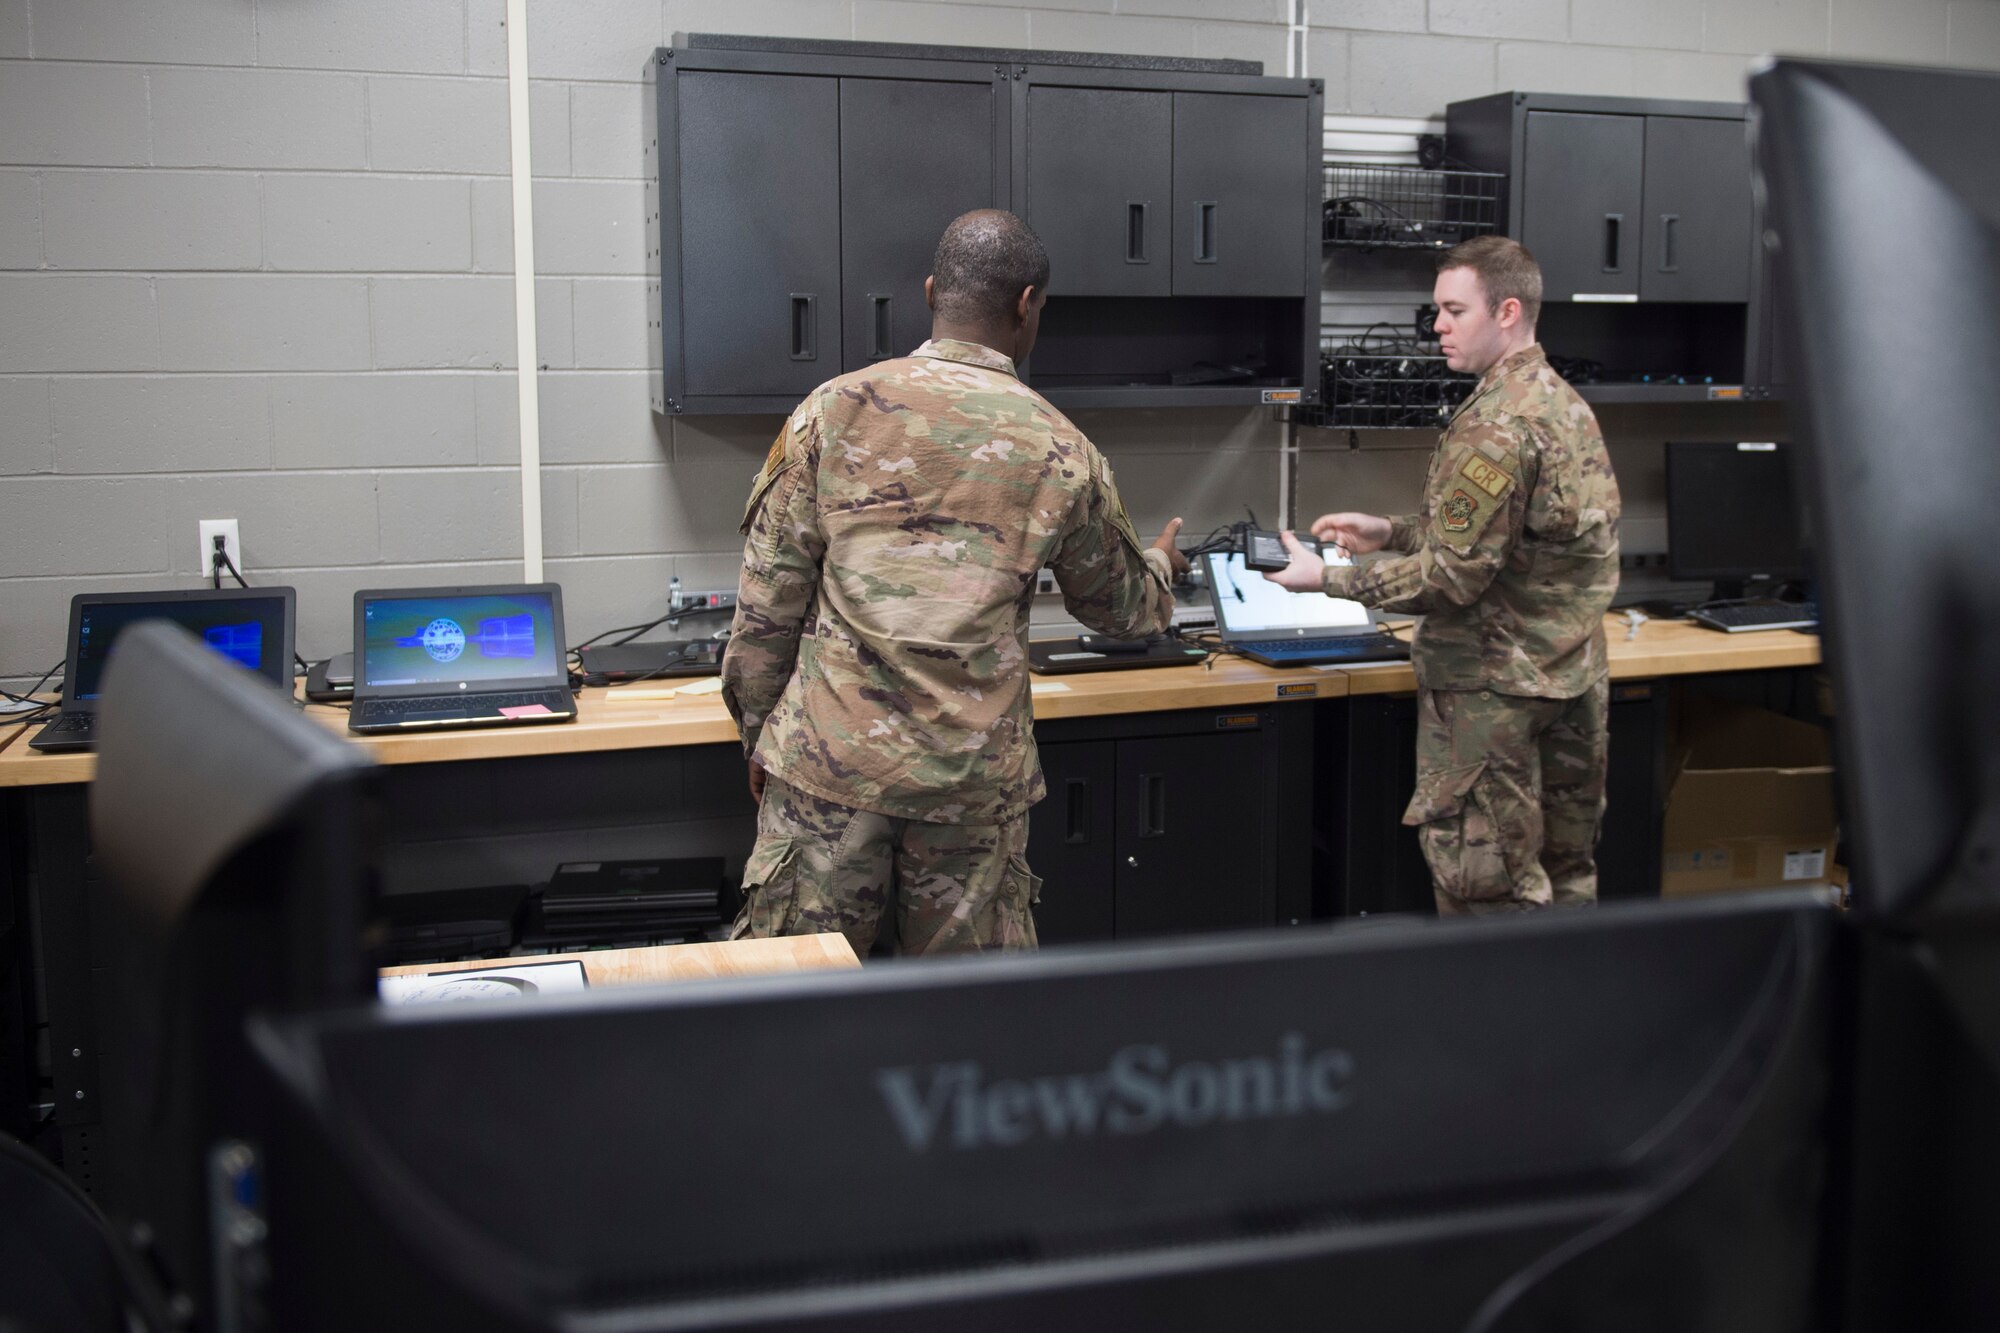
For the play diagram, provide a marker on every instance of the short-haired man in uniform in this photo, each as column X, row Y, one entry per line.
column 877, row 669
column 1512, row 563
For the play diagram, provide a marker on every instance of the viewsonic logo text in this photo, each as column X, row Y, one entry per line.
column 1140, row 1089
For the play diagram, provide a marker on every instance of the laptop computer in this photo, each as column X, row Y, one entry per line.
column 459, row 657
column 253, row 627
column 1264, row 622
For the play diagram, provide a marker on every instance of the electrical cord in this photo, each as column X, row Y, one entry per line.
column 42, row 707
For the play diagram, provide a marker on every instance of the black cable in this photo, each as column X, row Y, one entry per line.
column 43, row 707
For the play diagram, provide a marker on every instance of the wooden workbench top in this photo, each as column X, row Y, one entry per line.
column 636, row 717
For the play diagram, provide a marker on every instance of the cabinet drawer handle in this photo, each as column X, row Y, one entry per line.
column 878, row 325
column 1669, row 262
column 805, row 326
column 1135, row 233
column 1153, row 805
column 1204, row 231
column 1077, row 827
column 1613, row 223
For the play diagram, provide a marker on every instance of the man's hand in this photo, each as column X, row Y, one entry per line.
column 1306, row 572
column 1165, row 542
column 757, row 776
column 1352, row 534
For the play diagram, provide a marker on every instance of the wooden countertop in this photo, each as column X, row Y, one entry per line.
column 631, row 718
column 677, row 962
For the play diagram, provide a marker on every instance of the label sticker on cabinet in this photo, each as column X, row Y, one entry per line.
column 1301, row 690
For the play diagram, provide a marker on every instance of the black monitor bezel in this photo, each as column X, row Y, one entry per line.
column 286, row 657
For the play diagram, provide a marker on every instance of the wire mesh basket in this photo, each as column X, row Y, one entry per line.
column 1386, row 389
column 1407, row 208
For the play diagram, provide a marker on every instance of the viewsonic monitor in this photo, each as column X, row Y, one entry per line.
column 1883, row 193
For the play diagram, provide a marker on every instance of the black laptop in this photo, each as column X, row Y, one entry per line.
column 1266, row 623
column 459, row 657
column 253, row 627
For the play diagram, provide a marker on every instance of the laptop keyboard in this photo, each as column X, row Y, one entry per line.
column 74, row 722
column 556, row 701
column 1757, row 615
column 1346, row 647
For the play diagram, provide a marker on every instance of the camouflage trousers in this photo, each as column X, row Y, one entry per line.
column 1510, row 796
column 944, row 888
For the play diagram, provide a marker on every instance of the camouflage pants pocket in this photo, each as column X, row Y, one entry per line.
column 1019, row 893
column 770, row 891
column 1458, row 836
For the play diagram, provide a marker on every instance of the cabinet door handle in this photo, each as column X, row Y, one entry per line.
column 1669, row 263
column 1204, row 231
column 1135, row 233
column 1077, row 826
column 878, row 325
column 805, row 326
column 1152, row 805
column 1613, row 224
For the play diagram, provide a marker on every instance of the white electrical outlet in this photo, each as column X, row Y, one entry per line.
column 230, row 543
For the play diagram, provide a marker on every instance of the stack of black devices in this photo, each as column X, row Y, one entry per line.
column 602, row 902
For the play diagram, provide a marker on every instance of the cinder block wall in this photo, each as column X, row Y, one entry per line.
column 256, row 257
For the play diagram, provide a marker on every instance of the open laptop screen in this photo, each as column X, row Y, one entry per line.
column 248, row 630
column 432, row 639
column 1248, row 604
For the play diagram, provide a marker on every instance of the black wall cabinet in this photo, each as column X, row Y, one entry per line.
column 797, row 191
column 1641, row 214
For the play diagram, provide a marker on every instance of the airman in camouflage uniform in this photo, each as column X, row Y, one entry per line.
column 1512, row 562
column 877, row 668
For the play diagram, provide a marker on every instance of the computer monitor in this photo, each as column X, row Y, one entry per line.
column 1732, row 514
column 235, row 839
column 1883, row 195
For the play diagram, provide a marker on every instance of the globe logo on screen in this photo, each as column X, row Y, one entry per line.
column 443, row 639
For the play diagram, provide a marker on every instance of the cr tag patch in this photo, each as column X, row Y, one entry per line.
column 1458, row 512
column 1493, row 480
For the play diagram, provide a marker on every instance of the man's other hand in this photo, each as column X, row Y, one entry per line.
column 1165, row 542
column 1352, row 534
column 756, row 782
column 1307, row 571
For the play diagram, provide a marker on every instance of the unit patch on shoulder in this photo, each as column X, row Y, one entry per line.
column 776, row 458
column 1458, row 512
column 1493, row 480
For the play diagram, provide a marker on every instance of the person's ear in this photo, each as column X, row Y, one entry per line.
column 1510, row 312
column 1024, row 305
column 929, row 299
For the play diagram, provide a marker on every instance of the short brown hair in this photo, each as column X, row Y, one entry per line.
column 1505, row 269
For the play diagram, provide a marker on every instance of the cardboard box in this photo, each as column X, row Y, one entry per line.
column 1751, row 803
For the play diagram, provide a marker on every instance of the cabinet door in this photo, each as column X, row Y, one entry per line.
column 1191, row 821
column 760, row 264
column 1582, row 192
column 913, row 156
column 1100, row 183
column 1698, row 208
column 1239, row 227
column 1070, row 838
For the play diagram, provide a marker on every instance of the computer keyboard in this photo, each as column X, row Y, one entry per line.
column 1345, row 647
column 1757, row 615
column 75, row 722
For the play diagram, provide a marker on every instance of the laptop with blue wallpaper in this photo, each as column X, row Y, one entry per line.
column 459, row 657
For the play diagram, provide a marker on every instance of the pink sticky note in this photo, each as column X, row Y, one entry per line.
column 526, row 710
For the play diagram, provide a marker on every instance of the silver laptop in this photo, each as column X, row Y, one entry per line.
column 252, row 627
column 1264, row 622
column 459, row 657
